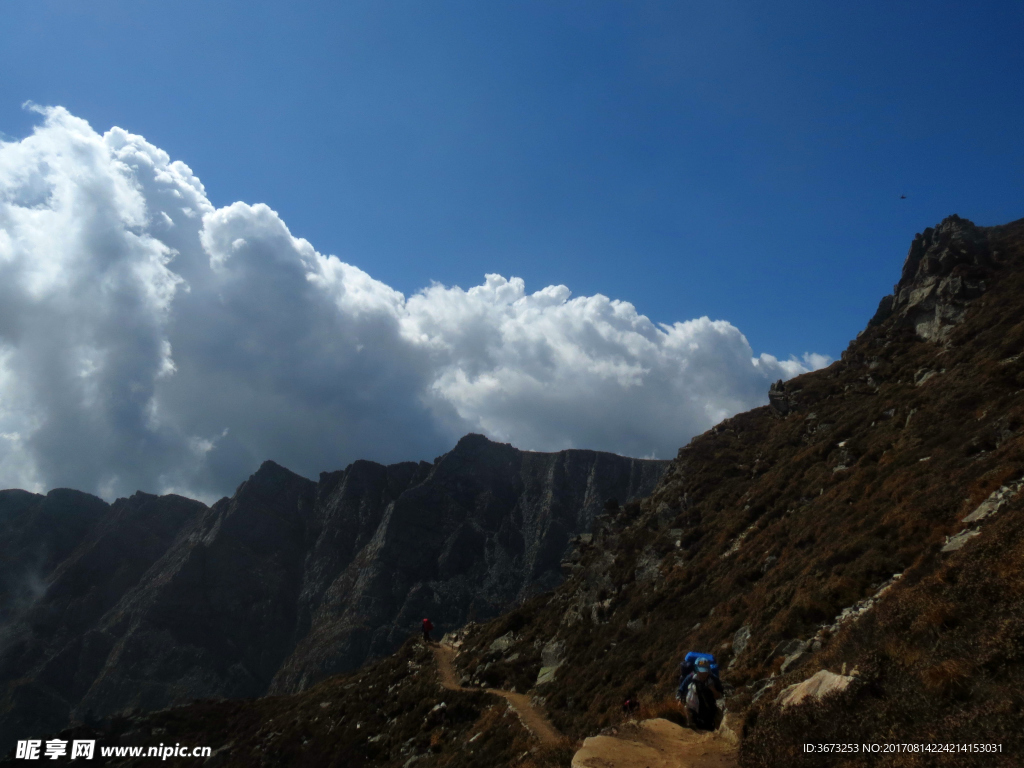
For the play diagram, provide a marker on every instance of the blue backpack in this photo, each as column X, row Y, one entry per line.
column 690, row 662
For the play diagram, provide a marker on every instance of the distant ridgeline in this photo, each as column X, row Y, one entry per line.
column 153, row 601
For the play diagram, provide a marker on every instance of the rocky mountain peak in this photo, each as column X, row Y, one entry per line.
column 270, row 472
column 474, row 442
column 936, row 252
column 274, row 483
column 945, row 269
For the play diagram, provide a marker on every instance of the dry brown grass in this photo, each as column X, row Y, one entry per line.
column 666, row 708
column 935, row 618
column 947, row 678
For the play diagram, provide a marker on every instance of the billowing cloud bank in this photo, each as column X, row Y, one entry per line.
column 150, row 341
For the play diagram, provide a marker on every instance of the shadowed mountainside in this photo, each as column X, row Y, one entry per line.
column 153, row 601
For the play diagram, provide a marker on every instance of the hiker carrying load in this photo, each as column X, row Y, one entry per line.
column 699, row 690
column 427, row 627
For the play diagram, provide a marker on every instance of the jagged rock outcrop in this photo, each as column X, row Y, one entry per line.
column 779, row 399
column 153, row 600
column 945, row 268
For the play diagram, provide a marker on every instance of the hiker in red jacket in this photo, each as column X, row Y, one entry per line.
column 427, row 627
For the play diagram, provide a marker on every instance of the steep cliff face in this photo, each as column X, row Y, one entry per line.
column 482, row 529
column 57, row 644
column 215, row 613
column 159, row 600
column 36, row 534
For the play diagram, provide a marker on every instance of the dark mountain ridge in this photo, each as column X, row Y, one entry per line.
column 152, row 601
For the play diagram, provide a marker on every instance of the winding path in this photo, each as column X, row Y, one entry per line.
column 653, row 743
column 532, row 718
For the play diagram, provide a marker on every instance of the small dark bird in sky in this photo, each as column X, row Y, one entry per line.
column 903, row 197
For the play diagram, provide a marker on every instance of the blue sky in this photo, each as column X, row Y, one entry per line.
column 321, row 297
column 738, row 160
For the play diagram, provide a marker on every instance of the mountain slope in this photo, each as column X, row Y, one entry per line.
column 823, row 532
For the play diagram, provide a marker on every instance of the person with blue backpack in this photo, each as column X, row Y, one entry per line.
column 699, row 689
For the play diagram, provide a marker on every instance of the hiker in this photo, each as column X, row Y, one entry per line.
column 690, row 661
column 630, row 705
column 699, row 691
column 427, row 627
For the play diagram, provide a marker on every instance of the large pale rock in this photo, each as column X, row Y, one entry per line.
column 994, row 502
column 957, row 541
column 815, row 687
column 551, row 656
column 552, row 653
column 546, row 675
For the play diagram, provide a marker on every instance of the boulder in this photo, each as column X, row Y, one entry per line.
column 552, row 653
column 504, row 642
column 546, row 675
column 740, row 640
column 994, row 502
column 815, row 687
column 953, row 543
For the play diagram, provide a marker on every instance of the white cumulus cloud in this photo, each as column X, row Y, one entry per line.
column 149, row 340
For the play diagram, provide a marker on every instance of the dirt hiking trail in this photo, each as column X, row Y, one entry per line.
column 653, row 743
column 532, row 718
column 659, row 743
